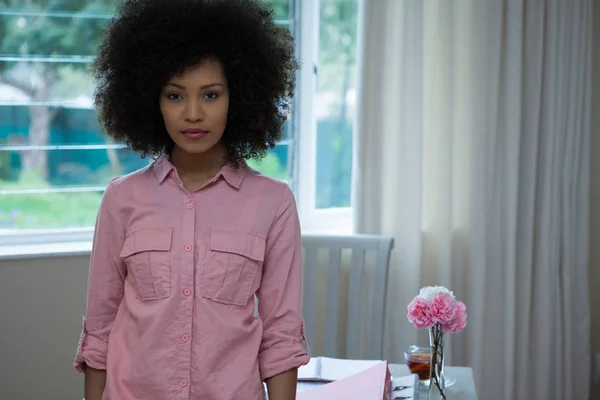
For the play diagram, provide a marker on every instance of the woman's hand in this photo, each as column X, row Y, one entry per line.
column 283, row 386
column 95, row 380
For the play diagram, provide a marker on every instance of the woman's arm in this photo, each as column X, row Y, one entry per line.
column 95, row 379
column 283, row 386
column 104, row 295
column 283, row 348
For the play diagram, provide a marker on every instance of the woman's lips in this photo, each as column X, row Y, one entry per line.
column 194, row 133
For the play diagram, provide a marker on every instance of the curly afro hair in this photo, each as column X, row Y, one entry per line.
column 149, row 41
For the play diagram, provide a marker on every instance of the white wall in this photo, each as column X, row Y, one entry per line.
column 41, row 304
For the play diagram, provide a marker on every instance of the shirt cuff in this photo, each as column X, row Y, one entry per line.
column 90, row 351
column 276, row 360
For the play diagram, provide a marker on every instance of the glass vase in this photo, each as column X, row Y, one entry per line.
column 437, row 381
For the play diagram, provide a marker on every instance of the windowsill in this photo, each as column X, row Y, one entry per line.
column 331, row 221
column 336, row 231
column 27, row 251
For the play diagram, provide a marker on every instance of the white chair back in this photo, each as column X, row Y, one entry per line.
column 344, row 291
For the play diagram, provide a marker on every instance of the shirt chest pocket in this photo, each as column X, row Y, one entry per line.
column 230, row 271
column 147, row 254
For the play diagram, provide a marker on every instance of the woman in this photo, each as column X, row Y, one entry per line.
column 183, row 246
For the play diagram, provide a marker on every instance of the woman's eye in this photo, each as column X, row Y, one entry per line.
column 211, row 95
column 174, row 96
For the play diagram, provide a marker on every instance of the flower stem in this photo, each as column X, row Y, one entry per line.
column 437, row 360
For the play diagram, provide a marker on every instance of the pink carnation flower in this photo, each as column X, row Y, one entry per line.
column 419, row 313
column 459, row 322
column 443, row 308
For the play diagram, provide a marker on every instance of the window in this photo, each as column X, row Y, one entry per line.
column 326, row 113
column 55, row 161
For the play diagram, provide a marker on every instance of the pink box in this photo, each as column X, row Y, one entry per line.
column 374, row 383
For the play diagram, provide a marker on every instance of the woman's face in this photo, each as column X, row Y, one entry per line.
column 194, row 107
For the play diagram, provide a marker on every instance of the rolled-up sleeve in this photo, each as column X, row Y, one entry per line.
column 105, row 286
column 283, row 345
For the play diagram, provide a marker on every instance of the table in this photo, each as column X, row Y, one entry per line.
column 463, row 389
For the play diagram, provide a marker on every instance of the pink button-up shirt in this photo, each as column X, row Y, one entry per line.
column 172, row 285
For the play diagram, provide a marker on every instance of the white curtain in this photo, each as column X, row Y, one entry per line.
column 471, row 151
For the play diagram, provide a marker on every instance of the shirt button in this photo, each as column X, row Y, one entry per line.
column 183, row 383
column 185, row 338
column 187, row 292
column 188, row 248
column 190, row 205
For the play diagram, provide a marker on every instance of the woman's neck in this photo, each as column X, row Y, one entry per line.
column 197, row 169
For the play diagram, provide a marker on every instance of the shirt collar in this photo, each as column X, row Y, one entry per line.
column 162, row 167
column 233, row 176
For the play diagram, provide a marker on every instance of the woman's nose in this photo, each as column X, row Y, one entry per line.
column 193, row 111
